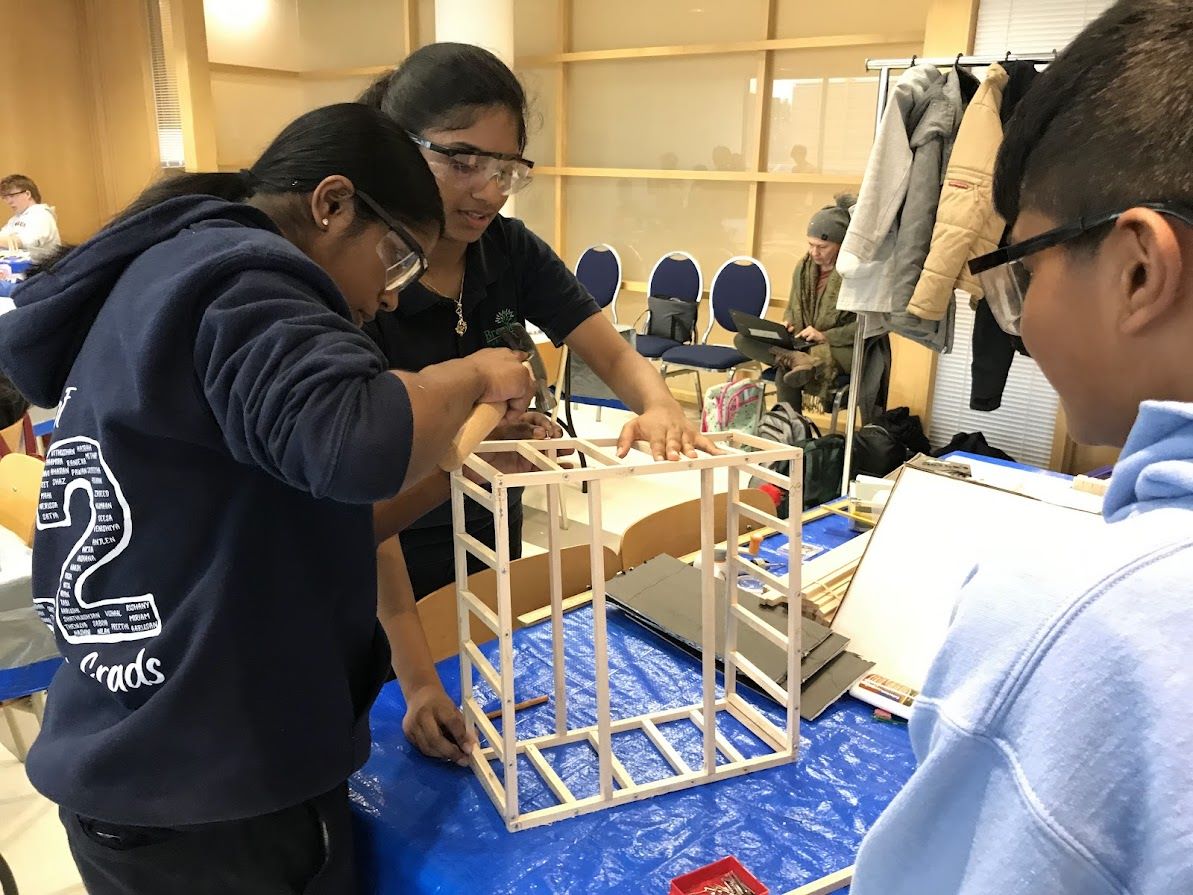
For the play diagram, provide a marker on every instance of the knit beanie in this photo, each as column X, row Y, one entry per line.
column 831, row 222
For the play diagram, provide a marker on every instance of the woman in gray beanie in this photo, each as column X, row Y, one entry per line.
column 812, row 315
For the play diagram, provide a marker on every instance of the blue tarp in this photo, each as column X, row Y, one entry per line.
column 428, row 827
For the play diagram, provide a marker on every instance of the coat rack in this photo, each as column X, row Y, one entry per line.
column 884, row 67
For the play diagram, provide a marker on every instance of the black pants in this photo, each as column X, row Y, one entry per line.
column 306, row 849
column 430, row 555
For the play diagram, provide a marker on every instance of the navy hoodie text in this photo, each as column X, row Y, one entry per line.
column 204, row 547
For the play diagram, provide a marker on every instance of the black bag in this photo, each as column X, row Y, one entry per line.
column 824, row 455
column 905, row 429
column 973, row 443
column 876, row 452
column 671, row 318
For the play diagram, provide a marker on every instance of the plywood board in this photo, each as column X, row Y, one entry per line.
column 934, row 531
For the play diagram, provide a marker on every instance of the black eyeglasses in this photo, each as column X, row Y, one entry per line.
column 474, row 166
column 403, row 256
column 16, row 193
column 1005, row 279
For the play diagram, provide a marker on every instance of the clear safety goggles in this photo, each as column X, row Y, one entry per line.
column 1006, row 279
column 399, row 251
column 475, row 169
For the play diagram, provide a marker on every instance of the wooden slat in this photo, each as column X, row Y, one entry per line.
column 479, row 550
column 484, row 666
column 766, row 520
column 708, row 613
column 725, row 747
column 474, row 605
column 661, row 743
column 741, row 46
column 769, row 476
column 846, row 180
column 476, row 715
column 834, row 882
column 555, row 607
column 474, row 492
column 505, row 640
column 594, row 452
column 760, row 726
column 600, row 642
column 552, row 779
column 761, row 679
column 620, row 774
column 489, row 782
column 778, row 638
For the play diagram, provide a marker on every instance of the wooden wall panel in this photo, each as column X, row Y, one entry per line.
column 49, row 133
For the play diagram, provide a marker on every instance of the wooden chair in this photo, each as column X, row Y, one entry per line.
column 20, row 490
column 676, row 530
column 19, row 437
column 530, row 585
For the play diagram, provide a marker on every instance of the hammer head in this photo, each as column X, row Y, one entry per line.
column 518, row 339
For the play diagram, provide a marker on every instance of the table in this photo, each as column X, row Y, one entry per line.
column 427, row 827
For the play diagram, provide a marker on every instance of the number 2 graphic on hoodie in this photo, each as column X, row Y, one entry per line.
column 74, row 465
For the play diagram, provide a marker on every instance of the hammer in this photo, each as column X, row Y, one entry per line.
column 485, row 417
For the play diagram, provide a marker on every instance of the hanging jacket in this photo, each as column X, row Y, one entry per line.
column 932, row 146
column 864, row 260
column 966, row 223
column 805, row 309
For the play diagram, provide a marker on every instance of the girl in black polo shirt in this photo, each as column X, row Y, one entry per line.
column 466, row 111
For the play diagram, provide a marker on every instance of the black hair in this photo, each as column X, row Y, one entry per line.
column 348, row 139
column 1109, row 123
column 446, row 86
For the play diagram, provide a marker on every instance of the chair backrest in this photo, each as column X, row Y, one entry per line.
column 741, row 284
column 676, row 530
column 530, row 587
column 677, row 275
column 599, row 271
column 20, row 492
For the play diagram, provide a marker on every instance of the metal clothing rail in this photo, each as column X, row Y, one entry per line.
column 884, row 67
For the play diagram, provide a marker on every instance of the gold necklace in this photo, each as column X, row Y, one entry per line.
column 461, row 326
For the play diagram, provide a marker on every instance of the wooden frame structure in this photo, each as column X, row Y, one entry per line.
column 779, row 745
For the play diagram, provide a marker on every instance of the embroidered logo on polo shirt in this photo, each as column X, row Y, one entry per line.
column 506, row 319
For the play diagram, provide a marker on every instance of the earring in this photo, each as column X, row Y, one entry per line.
column 325, row 223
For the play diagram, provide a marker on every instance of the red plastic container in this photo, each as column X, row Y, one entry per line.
column 694, row 883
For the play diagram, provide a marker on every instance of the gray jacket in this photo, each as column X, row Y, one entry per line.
column 865, row 259
column 931, row 143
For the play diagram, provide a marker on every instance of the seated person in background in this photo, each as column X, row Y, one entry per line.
column 812, row 315
column 1052, row 734
column 32, row 227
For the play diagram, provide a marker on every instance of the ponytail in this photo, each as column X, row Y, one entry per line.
column 232, row 187
column 349, row 139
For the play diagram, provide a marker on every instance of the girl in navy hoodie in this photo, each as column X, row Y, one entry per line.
column 204, row 548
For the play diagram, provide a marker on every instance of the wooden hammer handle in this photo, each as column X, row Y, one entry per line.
column 476, row 428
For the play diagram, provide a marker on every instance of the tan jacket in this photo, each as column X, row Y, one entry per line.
column 966, row 223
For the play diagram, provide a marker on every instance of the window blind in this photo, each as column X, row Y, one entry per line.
column 165, row 88
column 1032, row 26
column 1025, row 425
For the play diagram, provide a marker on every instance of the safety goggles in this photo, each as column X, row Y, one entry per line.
column 471, row 167
column 399, row 251
column 1005, row 279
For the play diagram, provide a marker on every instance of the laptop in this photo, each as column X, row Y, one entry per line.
column 767, row 331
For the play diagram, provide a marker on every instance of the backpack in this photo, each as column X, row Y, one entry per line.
column 733, row 405
column 824, row 455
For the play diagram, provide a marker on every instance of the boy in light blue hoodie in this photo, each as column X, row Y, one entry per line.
column 1054, row 734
